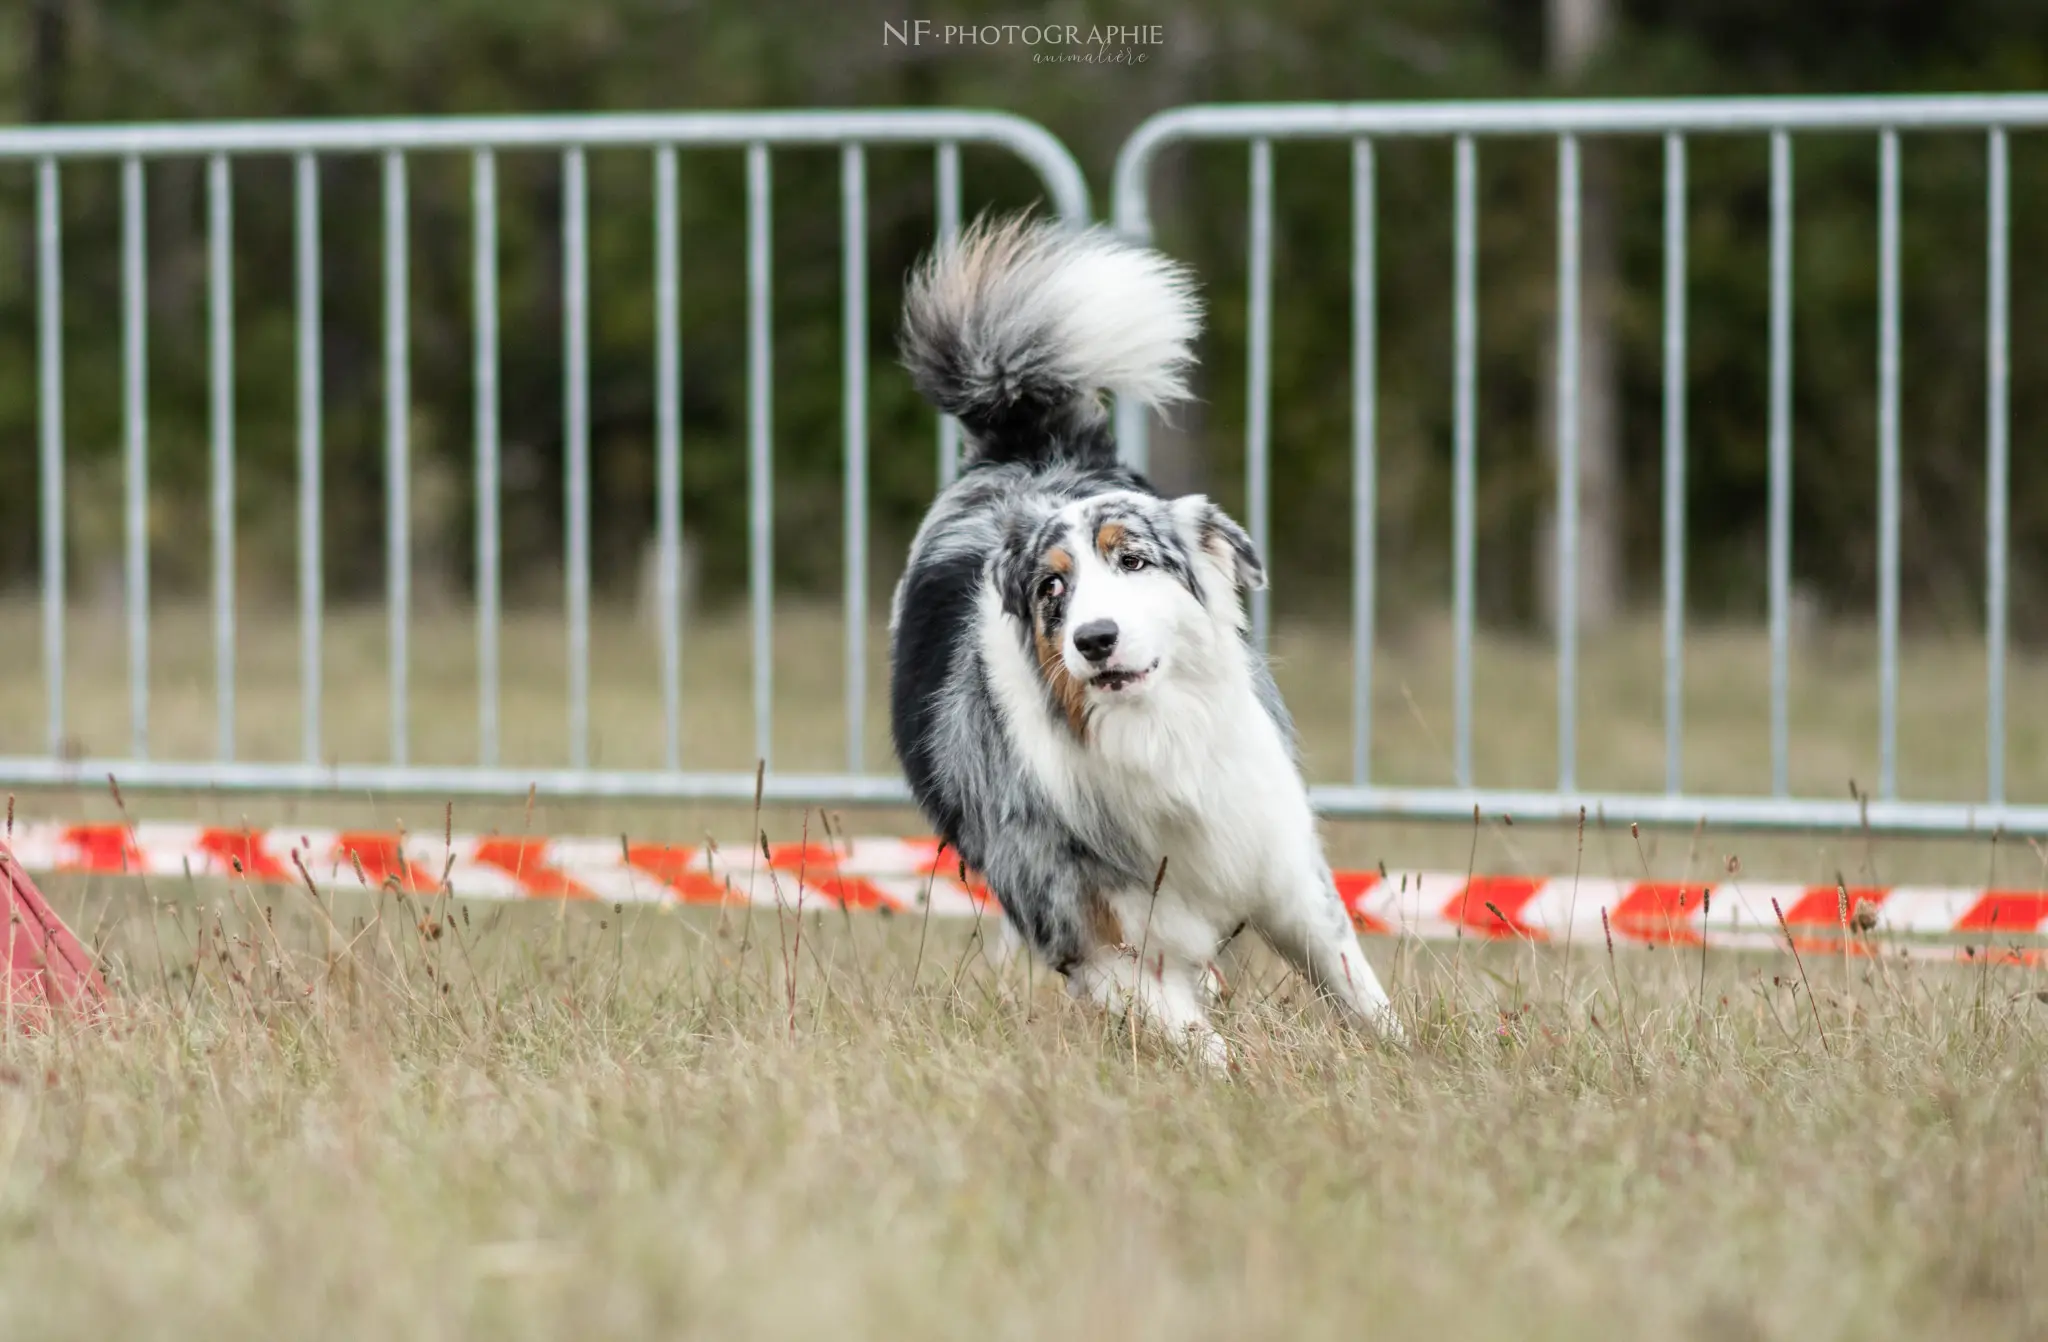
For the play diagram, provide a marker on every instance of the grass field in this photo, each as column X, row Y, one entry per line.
column 345, row 1122
column 361, row 1117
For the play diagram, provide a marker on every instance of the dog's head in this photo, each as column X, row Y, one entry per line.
column 1121, row 593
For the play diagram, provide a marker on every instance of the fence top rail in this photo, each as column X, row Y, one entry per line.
column 1551, row 116
column 911, row 125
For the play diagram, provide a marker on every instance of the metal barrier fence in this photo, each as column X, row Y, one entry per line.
column 305, row 143
column 1465, row 124
column 945, row 131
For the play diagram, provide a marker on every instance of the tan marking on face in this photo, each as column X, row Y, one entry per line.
column 1103, row 924
column 1068, row 693
column 1109, row 537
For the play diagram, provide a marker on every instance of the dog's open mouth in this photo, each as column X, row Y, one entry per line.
column 1115, row 681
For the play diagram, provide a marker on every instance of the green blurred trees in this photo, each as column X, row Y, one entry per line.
column 106, row 60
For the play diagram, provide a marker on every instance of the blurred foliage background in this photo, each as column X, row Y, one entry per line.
column 118, row 60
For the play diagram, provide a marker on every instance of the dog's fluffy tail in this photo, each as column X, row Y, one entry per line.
column 1018, row 327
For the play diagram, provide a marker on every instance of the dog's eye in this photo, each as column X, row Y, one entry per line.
column 1052, row 589
column 1131, row 562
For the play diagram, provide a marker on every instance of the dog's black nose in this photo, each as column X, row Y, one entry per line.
column 1096, row 639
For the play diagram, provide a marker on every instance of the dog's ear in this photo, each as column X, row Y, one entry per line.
column 1012, row 568
column 1209, row 531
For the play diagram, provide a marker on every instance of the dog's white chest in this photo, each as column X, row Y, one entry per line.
column 1208, row 786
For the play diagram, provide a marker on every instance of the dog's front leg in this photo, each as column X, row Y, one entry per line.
column 1304, row 920
column 1060, row 912
column 1161, row 991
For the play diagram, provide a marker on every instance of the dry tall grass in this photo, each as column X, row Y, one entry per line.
column 367, row 1117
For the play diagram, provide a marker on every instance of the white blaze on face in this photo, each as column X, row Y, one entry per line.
column 1121, row 595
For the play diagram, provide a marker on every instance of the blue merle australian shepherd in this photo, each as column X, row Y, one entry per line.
column 1073, row 695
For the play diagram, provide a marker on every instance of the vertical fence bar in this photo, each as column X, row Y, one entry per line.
column 50, row 416
column 1888, row 467
column 576, row 435
column 484, row 286
column 1257, row 468
column 135, row 401
column 1567, row 576
column 853, row 191
column 1997, row 426
column 948, row 190
column 1133, row 434
column 760, row 455
column 306, row 176
column 1464, row 466
column 221, row 333
column 1781, row 460
column 397, row 448
column 1674, row 463
column 1364, row 451
column 668, row 449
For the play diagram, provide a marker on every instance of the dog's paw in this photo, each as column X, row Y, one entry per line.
column 1208, row 1051
column 1386, row 1027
